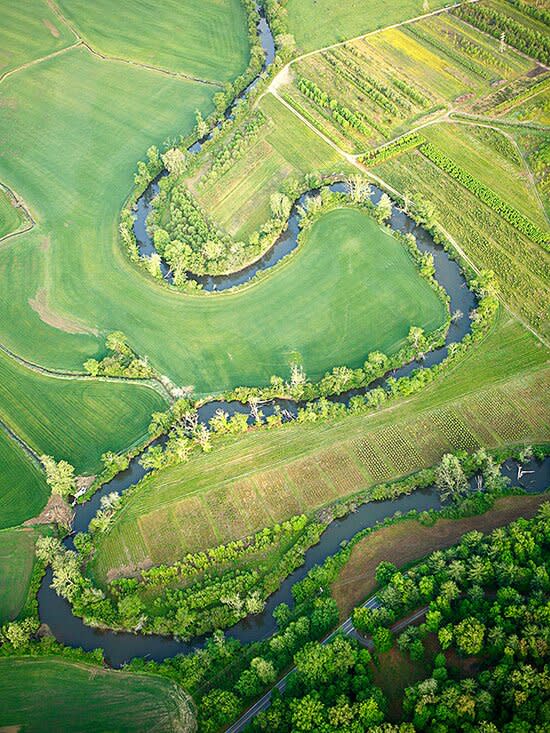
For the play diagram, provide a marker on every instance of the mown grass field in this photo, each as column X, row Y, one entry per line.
column 10, row 217
column 77, row 420
column 319, row 23
column 29, row 31
column 409, row 541
column 496, row 396
column 23, row 489
column 16, row 564
column 47, row 694
column 204, row 38
column 239, row 199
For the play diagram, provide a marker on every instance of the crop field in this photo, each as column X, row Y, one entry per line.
column 521, row 266
column 319, row 23
column 372, row 89
column 289, row 467
column 10, row 217
column 115, row 700
column 208, row 40
column 23, row 490
column 29, row 31
column 491, row 157
column 409, row 541
column 77, row 420
column 16, row 564
column 239, row 199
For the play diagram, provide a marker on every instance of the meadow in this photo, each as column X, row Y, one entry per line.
column 76, row 420
column 206, row 39
column 16, row 565
column 319, row 23
column 23, row 489
column 262, row 477
column 156, row 703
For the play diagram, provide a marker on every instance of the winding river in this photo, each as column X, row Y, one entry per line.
column 119, row 648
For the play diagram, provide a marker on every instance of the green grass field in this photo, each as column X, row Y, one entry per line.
column 23, row 490
column 262, row 477
column 16, row 564
column 206, row 38
column 73, row 419
column 319, row 23
column 10, row 217
column 29, row 31
column 48, row 694
column 239, row 199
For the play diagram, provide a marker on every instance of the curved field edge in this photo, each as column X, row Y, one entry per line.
column 26, row 683
column 23, row 488
column 77, row 420
column 265, row 477
column 202, row 38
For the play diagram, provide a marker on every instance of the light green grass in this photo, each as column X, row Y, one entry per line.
column 494, row 397
column 10, row 217
column 46, row 694
column 204, row 38
column 211, row 342
column 319, row 23
column 509, row 179
column 239, row 200
column 28, row 31
column 74, row 419
column 23, row 489
column 16, row 564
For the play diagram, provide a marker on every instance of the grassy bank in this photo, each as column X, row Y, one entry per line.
column 23, row 489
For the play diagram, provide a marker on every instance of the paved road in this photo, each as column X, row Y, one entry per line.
column 264, row 702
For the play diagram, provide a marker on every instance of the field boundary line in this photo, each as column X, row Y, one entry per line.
column 34, row 62
column 30, row 452
column 18, row 203
column 54, row 7
column 275, row 83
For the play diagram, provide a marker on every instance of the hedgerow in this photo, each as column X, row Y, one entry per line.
column 402, row 144
column 487, row 195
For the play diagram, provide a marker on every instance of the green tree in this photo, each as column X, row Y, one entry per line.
column 59, row 475
column 450, row 478
column 469, row 635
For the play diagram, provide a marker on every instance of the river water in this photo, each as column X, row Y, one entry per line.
column 119, row 648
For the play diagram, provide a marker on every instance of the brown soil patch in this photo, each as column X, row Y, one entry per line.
column 39, row 304
column 407, row 541
column 129, row 571
column 45, row 244
column 8, row 103
column 56, row 511
column 50, row 26
column 84, row 482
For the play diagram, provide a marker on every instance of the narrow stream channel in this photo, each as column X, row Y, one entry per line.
column 119, row 648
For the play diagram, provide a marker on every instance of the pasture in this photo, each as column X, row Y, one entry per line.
column 23, row 489
column 262, row 478
column 45, row 694
column 206, row 39
column 319, row 23
column 77, row 420
column 16, row 565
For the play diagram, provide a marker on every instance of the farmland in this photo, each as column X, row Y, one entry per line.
column 23, row 490
column 16, row 565
column 306, row 466
column 333, row 391
column 31, row 403
column 155, row 703
column 177, row 47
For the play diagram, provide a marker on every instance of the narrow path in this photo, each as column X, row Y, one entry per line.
column 284, row 71
column 34, row 62
column 31, row 453
column 54, row 7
